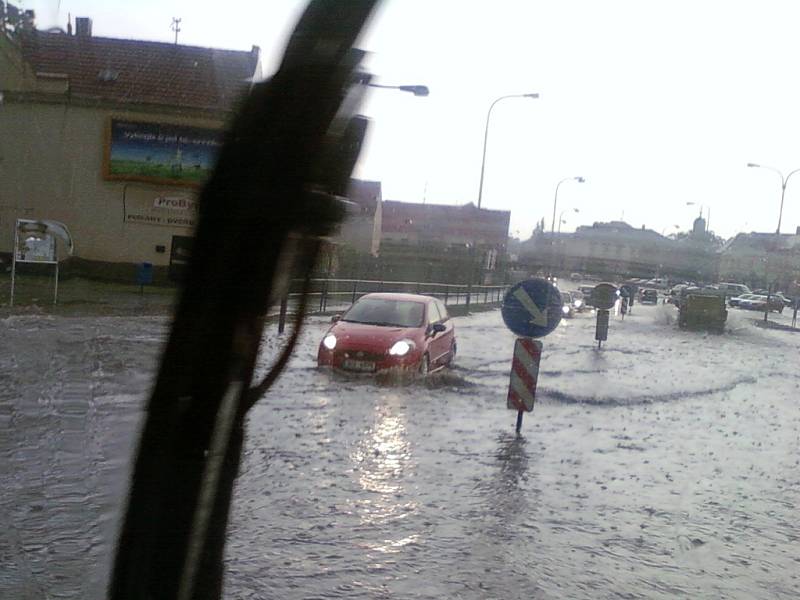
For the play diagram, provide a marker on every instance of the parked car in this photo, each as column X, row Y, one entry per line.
column 786, row 301
column 658, row 283
column 648, row 296
column 406, row 332
column 753, row 302
column 761, row 302
column 734, row 289
column 576, row 276
column 675, row 292
column 736, row 300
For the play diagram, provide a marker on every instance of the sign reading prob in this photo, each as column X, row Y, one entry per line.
column 532, row 308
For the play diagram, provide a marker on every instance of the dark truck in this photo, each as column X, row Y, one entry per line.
column 701, row 308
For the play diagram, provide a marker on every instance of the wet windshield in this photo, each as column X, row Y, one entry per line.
column 392, row 313
column 549, row 189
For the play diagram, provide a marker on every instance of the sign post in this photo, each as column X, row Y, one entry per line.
column 604, row 295
column 35, row 243
column 601, row 330
column 531, row 309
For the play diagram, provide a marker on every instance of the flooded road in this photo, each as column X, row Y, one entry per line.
column 664, row 465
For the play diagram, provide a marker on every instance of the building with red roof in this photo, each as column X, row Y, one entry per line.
column 113, row 137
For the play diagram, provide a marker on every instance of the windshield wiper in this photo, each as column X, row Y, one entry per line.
column 279, row 177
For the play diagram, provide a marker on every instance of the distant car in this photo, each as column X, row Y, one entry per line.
column 405, row 332
column 578, row 301
column 734, row 289
column 586, row 290
column 657, row 283
column 786, row 301
column 675, row 292
column 760, row 302
column 753, row 302
column 576, row 276
column 567, row 309
column 735, row 300
column 648, row 296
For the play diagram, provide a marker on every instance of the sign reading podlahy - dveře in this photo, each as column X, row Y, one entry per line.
column 168, row 209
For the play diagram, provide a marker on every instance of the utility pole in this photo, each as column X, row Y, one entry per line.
column 176, row 27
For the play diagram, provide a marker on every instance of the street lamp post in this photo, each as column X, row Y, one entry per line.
column 486, row 137
column 553, row 226
column 784, row 181
column 471, row 273
column 555, row 200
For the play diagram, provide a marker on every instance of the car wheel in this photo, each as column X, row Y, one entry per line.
column 424, row 365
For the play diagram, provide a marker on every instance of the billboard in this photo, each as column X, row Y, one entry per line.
column 160, row 153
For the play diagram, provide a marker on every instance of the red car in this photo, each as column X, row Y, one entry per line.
column 407, row 332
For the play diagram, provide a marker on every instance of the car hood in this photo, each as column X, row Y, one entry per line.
column 372, row 337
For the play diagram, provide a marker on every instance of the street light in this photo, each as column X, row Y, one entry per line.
column 784, row 181
column 486, row 137
column 417, row 90
column 561, row 215
column 555, row 200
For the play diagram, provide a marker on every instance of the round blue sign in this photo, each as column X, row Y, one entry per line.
column 532, row 308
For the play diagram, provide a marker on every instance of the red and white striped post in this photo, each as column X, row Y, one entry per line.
column 524, row 376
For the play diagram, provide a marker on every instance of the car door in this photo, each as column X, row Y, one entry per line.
column 435, row 343
column 447, row 337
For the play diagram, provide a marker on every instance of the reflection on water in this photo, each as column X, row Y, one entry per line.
column 513, row 459
column 382, row 459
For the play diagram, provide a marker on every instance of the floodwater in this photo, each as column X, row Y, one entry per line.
column 664, row 465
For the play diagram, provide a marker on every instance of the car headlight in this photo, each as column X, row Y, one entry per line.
column 329, row 341
column 400, row 348
column 578, row 303
column 565, row 309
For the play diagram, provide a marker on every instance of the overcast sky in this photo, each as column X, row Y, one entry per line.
column 656, row 104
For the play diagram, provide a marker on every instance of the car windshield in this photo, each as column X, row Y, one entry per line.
column 388, row 313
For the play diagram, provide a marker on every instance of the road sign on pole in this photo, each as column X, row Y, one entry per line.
column 604, row 296
column 532, row 308
column 601, row 331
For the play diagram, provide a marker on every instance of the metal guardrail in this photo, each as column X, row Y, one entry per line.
column 338, row 294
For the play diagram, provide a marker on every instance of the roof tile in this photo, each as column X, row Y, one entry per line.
column 146, row 72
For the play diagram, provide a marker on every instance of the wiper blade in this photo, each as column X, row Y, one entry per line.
column 285, row 164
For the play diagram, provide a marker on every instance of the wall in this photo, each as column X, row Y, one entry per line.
column 51, row 161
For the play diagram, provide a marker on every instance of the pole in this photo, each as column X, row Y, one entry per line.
column 282, row 313
column 519, row 420
column 14, row 262
column 555, row 203
column 486, row 137
column 55, row 292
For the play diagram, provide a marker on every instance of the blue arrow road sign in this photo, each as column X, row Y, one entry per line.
column 532, row 308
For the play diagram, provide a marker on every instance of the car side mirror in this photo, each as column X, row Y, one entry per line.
column 438, row 328
column 335, row 318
